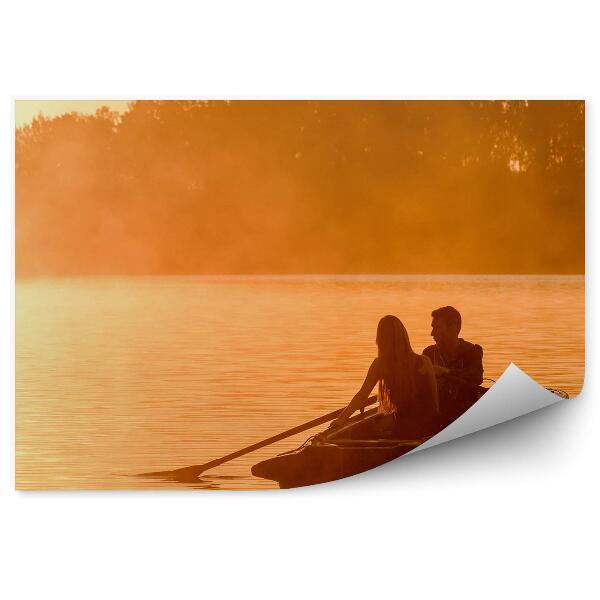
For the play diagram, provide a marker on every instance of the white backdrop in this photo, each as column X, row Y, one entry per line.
column 509, row 512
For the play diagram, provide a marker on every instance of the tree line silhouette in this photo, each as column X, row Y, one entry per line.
column 303, row 187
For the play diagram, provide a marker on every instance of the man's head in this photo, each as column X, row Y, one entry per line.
column 445, row 325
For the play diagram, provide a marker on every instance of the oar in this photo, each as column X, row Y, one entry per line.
column 190, row 474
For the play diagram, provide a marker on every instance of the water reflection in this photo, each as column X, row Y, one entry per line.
column 136, row 375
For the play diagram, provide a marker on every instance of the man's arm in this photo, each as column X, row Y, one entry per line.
column 472, row 372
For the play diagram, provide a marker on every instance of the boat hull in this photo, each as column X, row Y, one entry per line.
column 323, row 462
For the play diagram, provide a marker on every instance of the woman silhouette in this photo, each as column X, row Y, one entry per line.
column 407, row 393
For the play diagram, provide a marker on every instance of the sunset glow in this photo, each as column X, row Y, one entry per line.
column 202, row 285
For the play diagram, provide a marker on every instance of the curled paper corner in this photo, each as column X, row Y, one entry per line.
column 513, row 395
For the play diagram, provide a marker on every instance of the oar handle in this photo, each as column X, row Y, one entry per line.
column 276, row 438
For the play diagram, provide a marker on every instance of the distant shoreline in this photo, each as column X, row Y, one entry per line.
column 313, row 276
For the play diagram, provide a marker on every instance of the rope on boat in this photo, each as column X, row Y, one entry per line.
column 299, row 447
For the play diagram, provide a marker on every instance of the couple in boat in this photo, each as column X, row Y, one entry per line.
column 419, row 394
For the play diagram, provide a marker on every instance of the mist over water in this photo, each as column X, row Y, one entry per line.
column 118, row 376
column 185, row 187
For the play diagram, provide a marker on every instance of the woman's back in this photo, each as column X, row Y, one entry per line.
column 416, row 413
column 407, row 386
column 420, row 371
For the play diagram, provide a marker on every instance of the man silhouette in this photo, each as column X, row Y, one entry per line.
column 458, row 364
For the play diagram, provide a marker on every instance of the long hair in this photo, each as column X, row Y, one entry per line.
column 397, row 363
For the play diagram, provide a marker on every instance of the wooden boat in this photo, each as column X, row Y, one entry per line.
column 334, row 455
column 326, row 458
column 330, row 457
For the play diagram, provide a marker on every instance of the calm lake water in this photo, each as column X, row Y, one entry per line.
column 120, row 376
